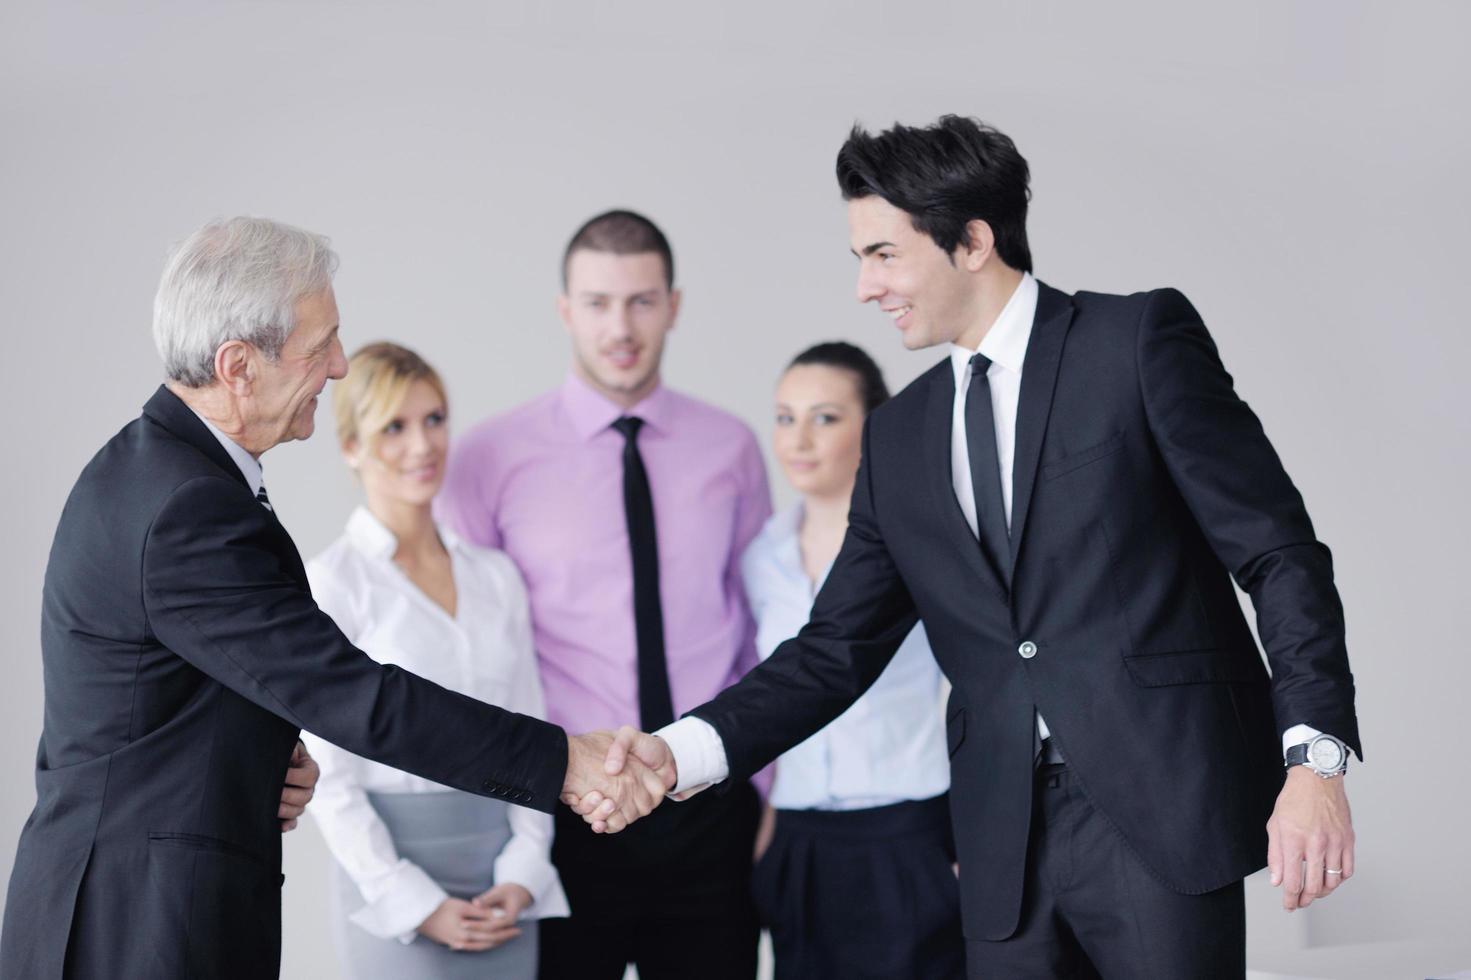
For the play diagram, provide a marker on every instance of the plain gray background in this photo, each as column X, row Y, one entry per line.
column 1298, row 169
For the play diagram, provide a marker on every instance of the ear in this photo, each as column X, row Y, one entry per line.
column 676, row 296
column 235, row 367
column 564, row 310
column 350, row 453
column 979, row 247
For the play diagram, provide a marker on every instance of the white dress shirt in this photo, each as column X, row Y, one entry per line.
column 890, row 745
column 483, row 651
column 1006, row 345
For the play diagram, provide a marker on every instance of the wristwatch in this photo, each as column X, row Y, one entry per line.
column 1324, row 755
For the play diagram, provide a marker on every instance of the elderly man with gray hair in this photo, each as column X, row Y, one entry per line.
column 183, row 653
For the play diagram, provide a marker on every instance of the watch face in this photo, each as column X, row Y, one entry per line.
column 1325, row 755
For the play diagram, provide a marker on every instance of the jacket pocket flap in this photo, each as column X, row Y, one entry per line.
column 1216, row 666
column 201, row 842
column 1066, row 464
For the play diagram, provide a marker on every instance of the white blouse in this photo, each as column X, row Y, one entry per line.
column 889, row 746
column 483, row 651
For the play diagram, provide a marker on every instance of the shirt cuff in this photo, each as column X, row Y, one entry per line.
column 521, row 862
column 406, row 897
column 1296, row 735
column 699, row 755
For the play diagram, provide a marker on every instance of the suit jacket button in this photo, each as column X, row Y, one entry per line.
column 1028, row 650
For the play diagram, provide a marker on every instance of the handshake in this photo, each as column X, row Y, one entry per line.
column 614, row 779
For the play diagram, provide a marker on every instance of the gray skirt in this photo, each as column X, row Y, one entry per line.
column 455, row 837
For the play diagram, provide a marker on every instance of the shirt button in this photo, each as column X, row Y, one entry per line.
column 1028, row 650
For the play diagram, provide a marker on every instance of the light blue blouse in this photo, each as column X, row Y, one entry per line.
column 890, row 745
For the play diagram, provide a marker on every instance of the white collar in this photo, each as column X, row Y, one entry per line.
column 250, row 467
column 784, row 525
column 373, row 538
column 1006, row 342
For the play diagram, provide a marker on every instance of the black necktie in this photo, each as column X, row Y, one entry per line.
column 264, row 500
column 985, row 469
column 655, row 706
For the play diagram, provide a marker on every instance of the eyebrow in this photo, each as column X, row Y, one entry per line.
column 594, row 294
column 870, row 249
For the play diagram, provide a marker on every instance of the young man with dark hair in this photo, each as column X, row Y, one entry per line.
column 627, row 507
column 1065, row 501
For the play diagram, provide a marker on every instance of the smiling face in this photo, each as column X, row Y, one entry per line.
column 403, row 462
column 281, row 404
column 618, row 310
column 932, row 299
column 818, row 436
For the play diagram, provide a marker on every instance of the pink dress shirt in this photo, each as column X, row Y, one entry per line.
column 544, row 483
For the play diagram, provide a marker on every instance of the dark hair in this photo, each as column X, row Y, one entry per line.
column 871, row 388
column 622, row 233
column 945, row 175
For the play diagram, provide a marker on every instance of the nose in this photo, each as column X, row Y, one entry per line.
column 869, row 288
column 337, row 363
column 804, row 435
column 623, row 321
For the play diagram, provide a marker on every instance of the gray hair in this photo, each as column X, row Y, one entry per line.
column 234, row 279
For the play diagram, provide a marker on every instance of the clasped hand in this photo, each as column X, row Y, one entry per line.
column 614, row 779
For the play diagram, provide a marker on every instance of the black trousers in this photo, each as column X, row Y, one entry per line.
column 671, row 894
column 1090, row 909
column 863, row 894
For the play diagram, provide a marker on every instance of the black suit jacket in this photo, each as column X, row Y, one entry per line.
column 182, row 654
column 1142, row 486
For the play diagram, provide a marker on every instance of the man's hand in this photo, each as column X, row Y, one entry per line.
column 622, row 793
column 630, row 748
column 301, row 782
column 1311, row 825
column 505, row 903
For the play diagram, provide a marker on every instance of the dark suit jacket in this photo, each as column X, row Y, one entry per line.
column 1142, row 486
column 182, row 654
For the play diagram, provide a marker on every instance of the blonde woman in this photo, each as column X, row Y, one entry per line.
column 429, row 882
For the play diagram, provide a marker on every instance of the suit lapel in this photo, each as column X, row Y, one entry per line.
column 1039, row 380
column 939, row 416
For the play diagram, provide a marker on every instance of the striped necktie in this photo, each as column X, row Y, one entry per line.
column 265, row 501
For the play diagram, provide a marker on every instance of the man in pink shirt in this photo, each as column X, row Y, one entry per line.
column 627, row 507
